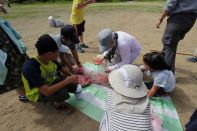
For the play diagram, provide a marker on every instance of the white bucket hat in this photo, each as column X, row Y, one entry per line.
column 128, row 81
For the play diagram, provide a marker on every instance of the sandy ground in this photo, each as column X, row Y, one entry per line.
column 18, row 116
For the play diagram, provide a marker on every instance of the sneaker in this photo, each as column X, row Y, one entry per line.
column 23, row 99
column 83, row 46
column 80, row 50
column 78, row 93
column 192, row 59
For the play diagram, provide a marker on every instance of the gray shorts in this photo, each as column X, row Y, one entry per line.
column 177, row 26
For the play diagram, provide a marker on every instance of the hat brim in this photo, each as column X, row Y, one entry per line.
column 63, row 49
column 105, row 48
column 116, row 81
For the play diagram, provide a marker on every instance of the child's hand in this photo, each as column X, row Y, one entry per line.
column 72, row 79
column 67, row 70
column 97, row 61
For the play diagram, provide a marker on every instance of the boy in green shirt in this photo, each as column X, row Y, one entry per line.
column 39, row 76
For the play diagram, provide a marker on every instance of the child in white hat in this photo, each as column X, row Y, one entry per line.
column 128, row 106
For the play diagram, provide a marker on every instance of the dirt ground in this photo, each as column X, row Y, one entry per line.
column 18, row 116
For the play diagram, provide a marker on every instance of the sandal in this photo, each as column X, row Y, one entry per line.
column 64, row 107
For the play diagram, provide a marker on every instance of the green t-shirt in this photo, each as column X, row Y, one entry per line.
column 36, row 74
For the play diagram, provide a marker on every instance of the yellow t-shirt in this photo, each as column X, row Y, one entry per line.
column 77, row 15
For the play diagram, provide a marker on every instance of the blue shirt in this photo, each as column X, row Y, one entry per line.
column 58, row 40
column 164, row 79
column 178, row 6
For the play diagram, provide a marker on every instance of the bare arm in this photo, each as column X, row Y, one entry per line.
column 49, row 90
column 84, row 4
column 153, row 91
column 168, row 8
column 76, row 57
column 163, row 15
column 66, row 61
column 67, row 71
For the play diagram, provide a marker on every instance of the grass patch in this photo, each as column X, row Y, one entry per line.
column 132, row 6
column 39, row 9
column 31, row 10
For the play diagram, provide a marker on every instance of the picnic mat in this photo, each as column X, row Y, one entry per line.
column 93, row 102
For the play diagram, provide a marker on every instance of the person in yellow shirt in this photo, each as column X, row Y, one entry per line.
column 78, row 21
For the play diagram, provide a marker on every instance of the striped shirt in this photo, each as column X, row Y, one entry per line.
column 118, row 121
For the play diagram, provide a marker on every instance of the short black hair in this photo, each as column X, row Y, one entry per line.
column 69, row 32
column 46, row 44
column 155, row 61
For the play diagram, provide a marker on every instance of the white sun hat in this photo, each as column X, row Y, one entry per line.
column 128, row 81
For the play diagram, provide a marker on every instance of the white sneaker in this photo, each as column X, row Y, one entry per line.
column 78, row 93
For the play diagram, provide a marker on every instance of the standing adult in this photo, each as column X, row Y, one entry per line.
column 181, row 18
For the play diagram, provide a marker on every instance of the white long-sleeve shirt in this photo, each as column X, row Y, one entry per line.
column 128, row 49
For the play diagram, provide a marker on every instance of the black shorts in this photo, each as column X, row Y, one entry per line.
column 80, row 28
column 59, row 96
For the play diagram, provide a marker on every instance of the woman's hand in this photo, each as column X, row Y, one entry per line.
column 98, row 60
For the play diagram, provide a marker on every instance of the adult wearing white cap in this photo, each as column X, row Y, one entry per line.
column 128, row 107
column 119, row 48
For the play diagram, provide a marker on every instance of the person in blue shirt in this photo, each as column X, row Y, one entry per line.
column 163, row 78
column 68, row 37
